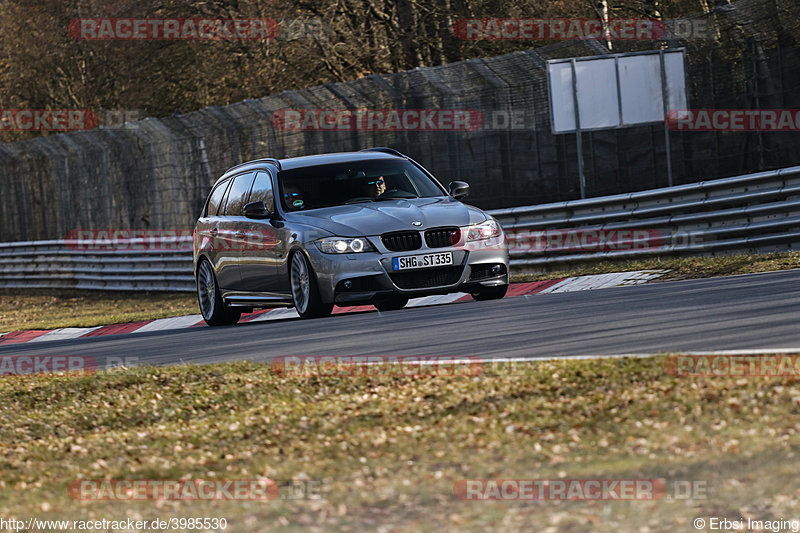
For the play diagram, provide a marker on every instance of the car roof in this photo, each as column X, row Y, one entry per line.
column 327, row 159
column 291, row 163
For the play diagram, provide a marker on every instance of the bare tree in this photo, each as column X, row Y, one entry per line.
column 42, row 66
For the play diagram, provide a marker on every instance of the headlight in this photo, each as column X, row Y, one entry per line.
column 484, row 230
column 341, row 245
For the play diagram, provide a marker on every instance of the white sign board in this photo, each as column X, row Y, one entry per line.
column 615, row 91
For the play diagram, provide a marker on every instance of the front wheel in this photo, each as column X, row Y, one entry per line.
column 490, row 293
column 212, row 307
column 305, row 292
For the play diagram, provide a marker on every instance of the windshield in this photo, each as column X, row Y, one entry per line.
column 354, row 182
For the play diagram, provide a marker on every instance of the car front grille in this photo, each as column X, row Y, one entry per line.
column 402, row 241
column 425, row 279
column 442, row 237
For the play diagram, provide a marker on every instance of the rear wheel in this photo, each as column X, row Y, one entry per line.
column 392, row 304
column 490, row 293
column 305, row 292
column 212, row 307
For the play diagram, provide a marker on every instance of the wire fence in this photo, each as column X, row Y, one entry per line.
column 156, row 173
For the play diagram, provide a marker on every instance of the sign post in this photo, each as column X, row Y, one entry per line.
column 578, row 138
column 665, row 105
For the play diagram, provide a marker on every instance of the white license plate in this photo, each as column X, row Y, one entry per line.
column 422, row 261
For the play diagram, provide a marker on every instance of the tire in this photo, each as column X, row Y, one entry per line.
column 392, row 304
column 305, row 292
column 490, row 293
column 212, row 307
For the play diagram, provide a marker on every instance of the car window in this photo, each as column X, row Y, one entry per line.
column 215, row 199
column 237, row 196
column 342, row 183
column 262, row 190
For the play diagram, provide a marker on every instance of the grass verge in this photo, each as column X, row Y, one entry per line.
column 61, row 308
column 680, row 267
column 387, row 450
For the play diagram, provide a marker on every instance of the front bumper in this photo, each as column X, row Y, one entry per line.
column 358, row 279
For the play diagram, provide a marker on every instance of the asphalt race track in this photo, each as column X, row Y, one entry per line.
column 756, row 311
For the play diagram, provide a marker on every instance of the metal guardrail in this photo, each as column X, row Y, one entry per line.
column 753, row 213
column 133, row 264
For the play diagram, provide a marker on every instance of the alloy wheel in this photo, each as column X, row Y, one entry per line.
column 206, row 289
column 300, row 283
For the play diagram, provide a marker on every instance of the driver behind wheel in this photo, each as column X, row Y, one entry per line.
column 373, row 187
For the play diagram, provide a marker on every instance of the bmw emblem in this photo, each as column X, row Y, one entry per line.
column 416, row 223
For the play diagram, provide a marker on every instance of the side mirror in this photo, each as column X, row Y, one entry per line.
column 256, row 210
column 458, row 189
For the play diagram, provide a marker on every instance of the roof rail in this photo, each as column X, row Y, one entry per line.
column 265, row 160
column 384, row 150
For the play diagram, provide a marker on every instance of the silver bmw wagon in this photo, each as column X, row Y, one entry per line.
column 356, row 228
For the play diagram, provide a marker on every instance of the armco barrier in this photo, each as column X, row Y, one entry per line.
column 62, row 264
column 752, row 213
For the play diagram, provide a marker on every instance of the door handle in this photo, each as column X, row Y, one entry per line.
column 239, row 235
column 213, row 232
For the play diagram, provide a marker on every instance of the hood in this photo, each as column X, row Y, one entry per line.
column 375, row 218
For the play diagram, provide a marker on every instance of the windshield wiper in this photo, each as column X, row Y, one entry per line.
column 358, row 201
column 398, row 197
